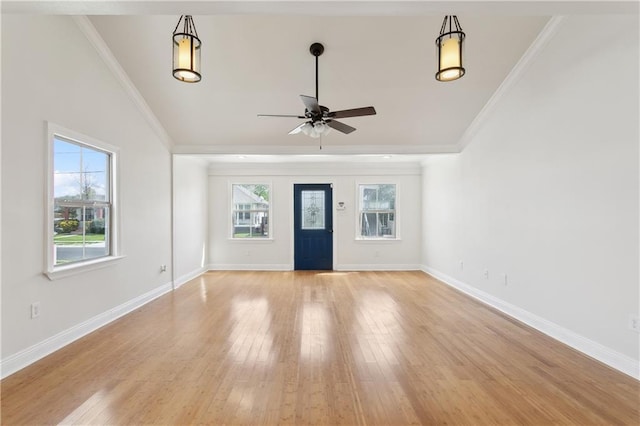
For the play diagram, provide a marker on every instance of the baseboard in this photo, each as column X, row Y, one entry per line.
column 377, row 267
column 188, row 277
column 608, row 356
column 249, row 267
column 28, row 356
column 288, row 267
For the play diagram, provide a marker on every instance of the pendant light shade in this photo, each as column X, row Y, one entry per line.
column 186, row 51
column 449, row 50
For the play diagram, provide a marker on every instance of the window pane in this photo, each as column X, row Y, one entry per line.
column 251, row 225
column 79, row 172
column 386, row 225
column 312, row 209
column 369, row 198
column 387, row 197
column 378, row 197
column 369, row 224
column 66, row 174
column 250, row 215
column 377, row 210
column 94, row 175
column 80, row 233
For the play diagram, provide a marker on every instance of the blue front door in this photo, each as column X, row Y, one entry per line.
column 313, row 226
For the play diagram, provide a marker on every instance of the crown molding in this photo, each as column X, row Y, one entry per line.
column 315, row 169
column 231, row 149
column 119, row 73
column 512, row 78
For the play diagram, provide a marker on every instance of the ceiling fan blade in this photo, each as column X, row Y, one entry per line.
column 311, row 104
column 341, row 127
column 298, row 129
column 356, row 112
column 281, row 115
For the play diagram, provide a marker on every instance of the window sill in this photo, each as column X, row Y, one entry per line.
column 251, row 240
column 378, row 240
column 81, row 267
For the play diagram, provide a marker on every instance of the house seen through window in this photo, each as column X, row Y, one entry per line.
column 81, row 202
column 377, row 210
column 250, row 210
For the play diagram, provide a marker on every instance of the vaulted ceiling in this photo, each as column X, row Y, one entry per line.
column 255, row 59
column 261, row 64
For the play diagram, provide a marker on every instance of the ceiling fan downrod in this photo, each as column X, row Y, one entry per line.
column 316, row 50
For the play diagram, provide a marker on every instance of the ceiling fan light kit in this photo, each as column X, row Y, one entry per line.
column 320, row 119
column 314, row 130
column 449, row 46
column 186, row 51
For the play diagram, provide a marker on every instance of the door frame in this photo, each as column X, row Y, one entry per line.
column 306, row 181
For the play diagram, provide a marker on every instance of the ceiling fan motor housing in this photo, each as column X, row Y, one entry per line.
column 316, row 49
column 314, row 116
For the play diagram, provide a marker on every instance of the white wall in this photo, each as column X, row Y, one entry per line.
column 547, row 193
column 51, row 72
column 348, row 252
column 190, row 217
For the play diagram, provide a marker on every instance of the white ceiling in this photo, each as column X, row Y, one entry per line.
column 261, row 64
column 255, row 59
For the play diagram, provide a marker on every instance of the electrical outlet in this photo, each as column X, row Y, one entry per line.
column 486, row 274
column 634, row 323
column 35, row 310
column 163, row 268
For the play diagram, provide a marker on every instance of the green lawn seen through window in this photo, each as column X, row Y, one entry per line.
column 62, row 239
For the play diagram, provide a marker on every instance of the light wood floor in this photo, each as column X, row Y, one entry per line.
column 322, row 348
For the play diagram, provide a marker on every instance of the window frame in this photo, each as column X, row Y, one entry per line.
column 51, row 270
column 359, row 211
column 232, row 211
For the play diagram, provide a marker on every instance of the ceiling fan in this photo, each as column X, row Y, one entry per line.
column 319, row 119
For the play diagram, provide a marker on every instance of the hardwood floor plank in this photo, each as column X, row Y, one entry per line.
column 328, row 348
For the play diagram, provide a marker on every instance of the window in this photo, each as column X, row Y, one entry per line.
column 250, row 210
column 81, row 210
column 377, row 211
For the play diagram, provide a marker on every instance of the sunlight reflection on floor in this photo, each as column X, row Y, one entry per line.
column 316, row 324
column 251, row 338
column 92, row 404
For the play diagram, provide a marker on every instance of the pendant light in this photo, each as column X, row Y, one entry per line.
column 449, row 49
column 186, row 51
